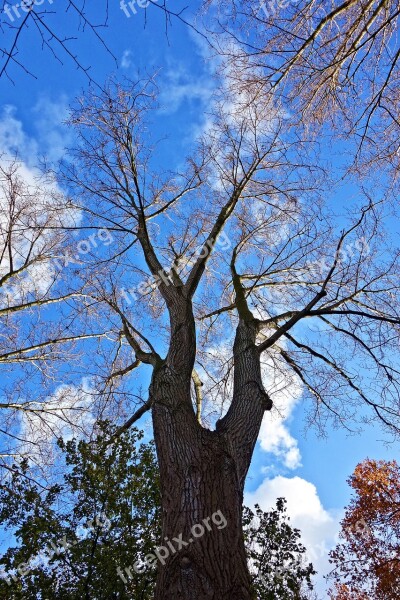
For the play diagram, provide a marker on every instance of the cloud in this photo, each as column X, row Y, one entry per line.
column 13, row 139
column 51, row 136
column 180, row 86
column 126, row 59
column 275, row 438
column 67, row 414
column 319, row 527
column 36, row 201
column 50, row 132
column 285, row 390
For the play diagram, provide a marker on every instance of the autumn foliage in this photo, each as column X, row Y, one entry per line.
column 367, row 561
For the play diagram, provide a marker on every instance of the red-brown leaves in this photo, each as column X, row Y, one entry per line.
column 367, row 562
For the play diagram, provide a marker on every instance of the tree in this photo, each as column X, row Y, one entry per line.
column 276, row 556
column 333, row 63
column 235, row 250
column 40, row 307
column 342, row 592
column 101, row 521
column 366, row 562
column 77, row 536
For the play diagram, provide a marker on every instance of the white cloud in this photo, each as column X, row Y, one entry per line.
column 51, row 136
column 13, row 138
column 38, row 202
column 181, row 86
column 67, row 414
column 319, row 527
column 285, row 390
column 275, row 438
column 51, row 133
column 126, row 59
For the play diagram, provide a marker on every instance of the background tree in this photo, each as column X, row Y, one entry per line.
column 74, row 535
column 342, row 592
column 41, row 313
column 367, row 561
column 106, row 510
column 277, row 558
column 333, row 63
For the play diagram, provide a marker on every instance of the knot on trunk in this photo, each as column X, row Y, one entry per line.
column 186, row 562
column 266, row 401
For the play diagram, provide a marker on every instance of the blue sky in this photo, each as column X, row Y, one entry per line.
column 36, row 107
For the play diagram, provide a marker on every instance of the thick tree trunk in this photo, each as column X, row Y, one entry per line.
column 202, row 554
column 202, row 540
column 202, row 472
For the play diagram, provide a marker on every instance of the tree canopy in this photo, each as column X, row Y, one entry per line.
column 366, row 561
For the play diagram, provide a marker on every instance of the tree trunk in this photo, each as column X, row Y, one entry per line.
column 202, row 540
column 202, row 472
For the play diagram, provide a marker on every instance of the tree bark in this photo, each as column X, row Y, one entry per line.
column 201, row 508
column 202, row 471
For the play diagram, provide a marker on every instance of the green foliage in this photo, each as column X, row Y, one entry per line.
column 277, row 558
column 104, row 514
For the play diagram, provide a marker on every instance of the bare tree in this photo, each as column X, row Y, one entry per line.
column 17, row 18
column 230, row 277
column 39, row 311
column 333, row 62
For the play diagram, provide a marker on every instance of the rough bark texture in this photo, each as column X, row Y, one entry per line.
column 203, row 471
column 199, row 478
